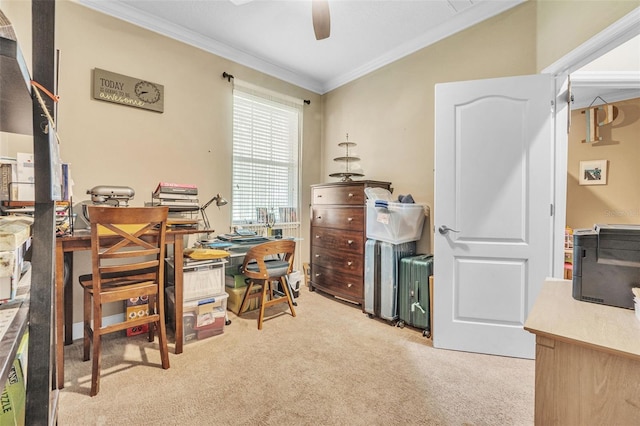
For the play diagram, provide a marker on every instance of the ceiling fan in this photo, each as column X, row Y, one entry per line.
column 319, row 15
column 321, row 18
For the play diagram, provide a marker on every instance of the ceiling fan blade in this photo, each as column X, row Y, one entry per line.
column 321, row 18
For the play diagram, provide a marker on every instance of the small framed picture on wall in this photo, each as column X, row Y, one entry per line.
column 593, row 172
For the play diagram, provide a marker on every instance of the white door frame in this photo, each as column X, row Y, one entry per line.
column 613, row 36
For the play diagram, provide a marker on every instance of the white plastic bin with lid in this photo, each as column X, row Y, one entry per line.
column 397, row 223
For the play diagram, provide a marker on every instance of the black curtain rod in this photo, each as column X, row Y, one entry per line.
column 229, row 77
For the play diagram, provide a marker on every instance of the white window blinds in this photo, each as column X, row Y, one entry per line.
column 266, row 140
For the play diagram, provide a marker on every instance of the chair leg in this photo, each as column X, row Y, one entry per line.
column 285, row 287
column 87, row 309
column 97, row 343
column 152, row 307
column 162, row 336
column 265, row 284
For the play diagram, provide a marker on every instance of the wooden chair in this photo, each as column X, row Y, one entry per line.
column 266, row 264
column 127, row 255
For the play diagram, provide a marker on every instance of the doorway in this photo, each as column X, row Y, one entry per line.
column 609, row 39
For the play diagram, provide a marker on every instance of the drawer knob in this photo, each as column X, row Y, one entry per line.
column 317, row 256
column 349, row 263
column 319, row 217
column 349, row 219
column 350, row 195
column 317, row 236
column 317, row 275
column 349, row 242
column 349, row 285
column 319, row 196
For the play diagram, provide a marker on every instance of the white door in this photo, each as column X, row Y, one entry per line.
column 492, row 213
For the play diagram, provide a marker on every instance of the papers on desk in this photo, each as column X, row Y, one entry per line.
column 203, row 253
column 243, row 238
column 181, row 223
column 214, row 244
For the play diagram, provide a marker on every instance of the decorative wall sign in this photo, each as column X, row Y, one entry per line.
column 121, row 89
column 608, row 113
column 593, row 172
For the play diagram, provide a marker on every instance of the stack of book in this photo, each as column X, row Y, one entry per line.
column 176, row 196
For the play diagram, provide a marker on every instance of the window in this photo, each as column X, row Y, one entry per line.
column 266, row 140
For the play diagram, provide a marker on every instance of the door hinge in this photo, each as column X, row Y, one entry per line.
column 551, row 210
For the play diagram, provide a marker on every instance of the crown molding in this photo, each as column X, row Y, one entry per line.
column 133, row 16
column 465, row 19
column 461, row 21
column 612, row 80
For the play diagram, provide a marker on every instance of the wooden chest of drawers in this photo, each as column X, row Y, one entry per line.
column 338, row 220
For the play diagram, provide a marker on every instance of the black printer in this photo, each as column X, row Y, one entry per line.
column 606, row 264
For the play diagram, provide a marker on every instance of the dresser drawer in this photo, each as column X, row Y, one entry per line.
column 338, row 239
column 348, row 194
column 345, row 261
column 349, row 218
column 338, row 283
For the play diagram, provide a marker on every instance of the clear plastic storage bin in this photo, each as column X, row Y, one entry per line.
column 398, row 223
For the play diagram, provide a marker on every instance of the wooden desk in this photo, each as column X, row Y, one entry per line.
column 587, row 360
column 81, row 240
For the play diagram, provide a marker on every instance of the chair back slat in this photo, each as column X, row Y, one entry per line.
column 142, row 267
column 279, row 249
column 130, row 254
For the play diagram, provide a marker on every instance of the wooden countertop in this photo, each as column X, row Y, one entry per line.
column 557, row 315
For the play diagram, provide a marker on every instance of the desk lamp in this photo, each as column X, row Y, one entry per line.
column 220, row 201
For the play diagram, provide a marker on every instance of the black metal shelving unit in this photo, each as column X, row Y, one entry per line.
column 21, row 114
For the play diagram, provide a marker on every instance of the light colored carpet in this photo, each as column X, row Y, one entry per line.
column 330, row 365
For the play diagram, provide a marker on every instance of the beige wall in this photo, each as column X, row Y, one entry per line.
column 619, row 200
column 562, row 25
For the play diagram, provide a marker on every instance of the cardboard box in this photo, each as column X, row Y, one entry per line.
column 13, row 234
column 25, row 176
column 11, row 263
column 136, row 308
column 235, row 299
column 14, row 396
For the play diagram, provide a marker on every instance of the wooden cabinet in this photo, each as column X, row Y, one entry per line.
column 587, row 360
column 338, row 235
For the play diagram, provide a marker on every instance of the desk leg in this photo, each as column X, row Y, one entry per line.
column 68, row 298
column 178, row 247
column 59, row 320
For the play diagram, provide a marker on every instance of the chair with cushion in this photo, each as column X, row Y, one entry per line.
column 127, row 255
column 267, row 264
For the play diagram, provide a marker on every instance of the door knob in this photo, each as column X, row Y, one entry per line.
column 444, row 229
